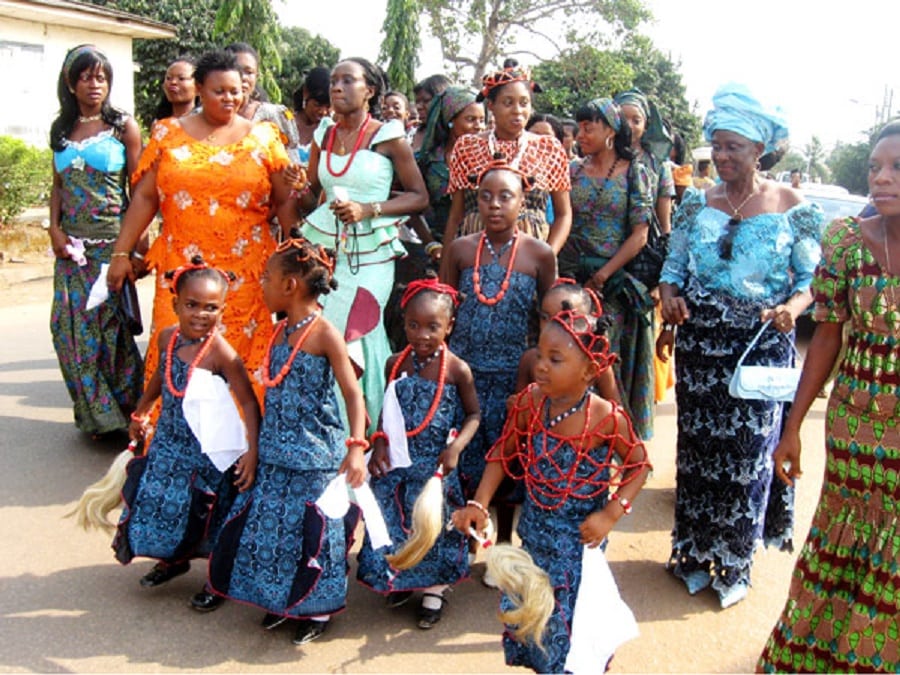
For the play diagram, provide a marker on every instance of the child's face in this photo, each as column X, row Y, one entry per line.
column 394, row 108
column 273, row 282
column 552, row 303
column 428, row 322
column 562, row 369
column 500, row 198
column 199, row 306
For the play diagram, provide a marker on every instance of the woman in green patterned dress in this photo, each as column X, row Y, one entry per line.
column 843, row 611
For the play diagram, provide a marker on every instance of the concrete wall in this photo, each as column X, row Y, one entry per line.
column 31, row 55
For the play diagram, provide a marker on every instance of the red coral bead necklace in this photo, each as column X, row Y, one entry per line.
column 170, row 351
column 439, row 392
column 476, row 273
column 307, row 323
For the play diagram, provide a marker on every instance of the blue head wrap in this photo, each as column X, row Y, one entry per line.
column 608, row 110
column 736, row 109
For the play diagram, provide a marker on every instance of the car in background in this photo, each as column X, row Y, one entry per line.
column 835, row 201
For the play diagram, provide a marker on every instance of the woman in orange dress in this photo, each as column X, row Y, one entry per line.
column 213, row 176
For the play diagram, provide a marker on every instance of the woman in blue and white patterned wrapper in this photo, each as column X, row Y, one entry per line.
column 95, row 147
column 741, row 253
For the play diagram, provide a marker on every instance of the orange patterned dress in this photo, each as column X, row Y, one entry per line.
column 214, row 201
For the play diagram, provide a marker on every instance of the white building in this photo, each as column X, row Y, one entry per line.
column 34, row 38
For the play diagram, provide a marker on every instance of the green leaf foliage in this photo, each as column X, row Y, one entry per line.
column 399, row 50
column 576, row 76
column 26, row 176
column 254, row 22
column 849, row 166
column 302, row 51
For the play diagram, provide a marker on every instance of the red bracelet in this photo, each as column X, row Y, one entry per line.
column 378, row 434
column 361, row 442
column 479, row 506
column 626, row 504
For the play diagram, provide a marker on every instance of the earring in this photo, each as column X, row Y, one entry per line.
column 609, row 143
column 450, row 125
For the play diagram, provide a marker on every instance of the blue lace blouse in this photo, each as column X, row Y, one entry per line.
column 774, row 254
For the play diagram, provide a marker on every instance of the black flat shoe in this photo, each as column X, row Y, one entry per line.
column 271, row 621
column 398, row 598
column 204, row 601
column 163, row 572
column 308, row 630
column 429, row 617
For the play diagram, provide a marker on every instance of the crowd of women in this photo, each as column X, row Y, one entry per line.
column 460, row 296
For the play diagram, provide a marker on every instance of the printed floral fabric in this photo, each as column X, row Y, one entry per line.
column 277, row 549
column 214, row 202
column 843, row 607
column 397, row 491
column 175, row 498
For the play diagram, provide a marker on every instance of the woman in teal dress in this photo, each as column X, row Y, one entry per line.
column 611, row 204
column 354, row 161
column 95, row 147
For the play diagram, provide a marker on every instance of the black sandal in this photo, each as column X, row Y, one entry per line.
column 163, row 572
column 429, row 617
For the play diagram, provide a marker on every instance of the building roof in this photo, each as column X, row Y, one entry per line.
column 85, row 15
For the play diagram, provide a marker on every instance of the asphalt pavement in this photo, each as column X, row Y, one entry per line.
column 67, row 606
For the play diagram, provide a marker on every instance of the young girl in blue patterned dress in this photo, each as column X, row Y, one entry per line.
column 278, row 550
column 569, row 446
column 175, row 497
column 436, row 394
column 502, row 272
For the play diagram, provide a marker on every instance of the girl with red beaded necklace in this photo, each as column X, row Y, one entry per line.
column 502, row 272
column 158, row 520
column 570, row 447
column 264, row 554
column 434, row 391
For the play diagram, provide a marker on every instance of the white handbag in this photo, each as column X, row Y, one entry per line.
column 764, row 383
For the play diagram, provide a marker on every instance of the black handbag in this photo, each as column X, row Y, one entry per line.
column 130, row 308
column 647, row 265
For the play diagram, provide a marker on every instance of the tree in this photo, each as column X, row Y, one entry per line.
column 253, row 22
column 302, row 51
column 849, row 166
column 477, row 33
column 793, row 159
column 658, row 77
column 815, row 160
column 576, row 77
column 399, row 50
column 193, row 20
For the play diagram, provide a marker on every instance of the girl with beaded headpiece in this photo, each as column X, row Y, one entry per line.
column 278, row 550
column 508, row 93
column 177, row 493
column 571, row 448
column 502, row 271
column 430, row 414
column 95, row 147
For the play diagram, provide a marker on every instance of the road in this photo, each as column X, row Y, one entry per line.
column 67, row 606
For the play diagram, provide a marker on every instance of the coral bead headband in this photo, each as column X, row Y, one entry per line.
column 528, row 182
column 175, row 275
column 581, row 328
column 422, row 285
column 505, row 76
column 306, row 250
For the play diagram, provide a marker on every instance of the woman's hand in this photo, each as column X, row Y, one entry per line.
column 665, row 344
column 597, row 281
column 787, row 457
column 782, row 318
column 119, row 268
column 595, row 528
column 58, row 242
column 349, row 212
column 469, row 517
column 295, row 177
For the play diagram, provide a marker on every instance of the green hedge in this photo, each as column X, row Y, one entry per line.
column 26, row 176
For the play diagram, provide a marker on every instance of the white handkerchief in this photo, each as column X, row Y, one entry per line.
column 213, row 416
column 99, row 291
column 393, row 424
column 375, row 525
column 75, row 249
column 335, row 499
column 601, row 621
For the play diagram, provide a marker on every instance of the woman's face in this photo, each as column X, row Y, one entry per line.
column 221, row 95
column 394, row 108
column 884, row 176
column 423, row 100
column 179, row 86
column 734, row 155
column 315, row 111
column 593, row 136
column 511, row 109
column 636, row 120
column 91, row 87
column 469, row 120
column 349, row 90
column 542, row 129
column 249, row 69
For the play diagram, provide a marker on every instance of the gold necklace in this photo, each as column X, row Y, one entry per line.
column 736, row 216
column 91, row 118
column 343, row 133
column 212, row 136
column 887, row 270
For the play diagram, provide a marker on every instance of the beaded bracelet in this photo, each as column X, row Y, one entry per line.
column 376, row 209
column 626, row 504
column 136, row 256
column 378, row 434
column 361, row 442
column 120, row 254
column 479, row 506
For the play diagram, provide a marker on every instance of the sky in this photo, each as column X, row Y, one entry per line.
column 827, row 64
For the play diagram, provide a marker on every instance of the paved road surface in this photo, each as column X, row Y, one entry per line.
column 67, row 606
